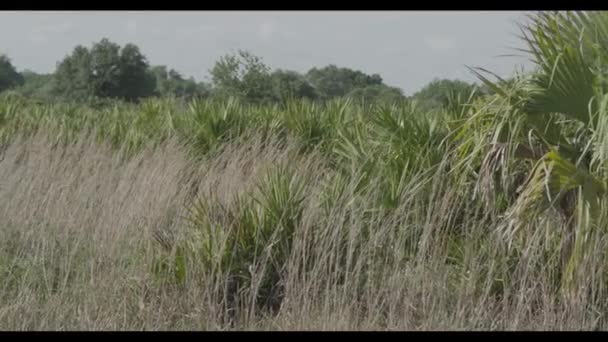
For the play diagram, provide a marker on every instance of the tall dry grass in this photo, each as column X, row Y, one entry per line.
column 82, row 230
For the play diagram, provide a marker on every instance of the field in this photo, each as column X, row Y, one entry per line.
column 486, row 214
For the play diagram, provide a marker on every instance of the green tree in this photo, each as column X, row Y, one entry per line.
column 332, row 81
column 378, row 93
column 290, row 84
column 243, row 76
column 74, row 75
column 437, row 93
column 171, row 83
column 37, row 86
column 134, row 80
column 104, row 71
column 9, row 77
column 204, row 89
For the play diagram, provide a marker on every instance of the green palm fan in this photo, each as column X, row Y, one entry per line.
column 561, row 114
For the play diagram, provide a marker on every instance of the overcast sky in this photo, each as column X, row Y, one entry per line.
column 408, row 49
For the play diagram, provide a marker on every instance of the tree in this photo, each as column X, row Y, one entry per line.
column 171, row 83
column 204, row 90
column 9, row 77
column 74, row 74
column 379, row 93
column 134, row 80
column 331, row 81
column 243, row 76
column 38, row 86
column 290, row 84
column 104, row 71
column 438, row 92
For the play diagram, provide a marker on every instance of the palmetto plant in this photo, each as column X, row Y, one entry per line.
column 250, row 239
column 552, row 122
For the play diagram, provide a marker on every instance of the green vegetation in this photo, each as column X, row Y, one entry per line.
column 274, row 200
column 107, row 72
column 9, row 77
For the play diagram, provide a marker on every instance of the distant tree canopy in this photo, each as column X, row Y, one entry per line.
column 378, row 93
column 244, row 76
column 437, row 93
column 104, row 71
column 37, row 86
column 288, row 84
column 108, row 71
column 9, row 77
column 171, row 83
column 332, row 81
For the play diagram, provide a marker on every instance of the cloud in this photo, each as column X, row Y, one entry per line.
column 184, row 33
column 266, row 31
column 132, row 27
column 59, row 28
column 439, row 43
column 41, row 34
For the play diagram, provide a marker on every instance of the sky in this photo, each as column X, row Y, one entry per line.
column 407, row 48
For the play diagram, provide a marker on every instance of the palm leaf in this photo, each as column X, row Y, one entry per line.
column 565, row 47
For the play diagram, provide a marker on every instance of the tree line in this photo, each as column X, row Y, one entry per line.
column 108, row 71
